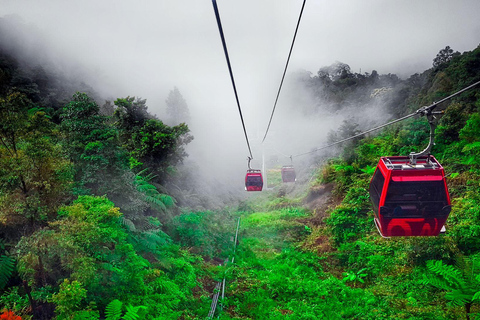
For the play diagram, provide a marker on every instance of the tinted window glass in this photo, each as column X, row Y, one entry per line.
column 419, row 198
column 376, row 187
column 254, row 181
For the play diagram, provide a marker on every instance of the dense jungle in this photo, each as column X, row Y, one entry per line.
column 98, row 219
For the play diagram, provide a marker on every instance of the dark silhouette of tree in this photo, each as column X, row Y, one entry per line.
column 177, row 108
column 444, row 56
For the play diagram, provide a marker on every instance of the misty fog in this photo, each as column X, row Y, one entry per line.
column 145, row 49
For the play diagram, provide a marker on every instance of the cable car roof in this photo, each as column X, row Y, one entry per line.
column 400, row 169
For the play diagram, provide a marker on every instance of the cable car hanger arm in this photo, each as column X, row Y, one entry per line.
column 431, row 121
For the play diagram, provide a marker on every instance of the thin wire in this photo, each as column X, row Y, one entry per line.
column 219, row 23
column 421, row 111
column 434, row 105
column 284, row 71
column 358, row 135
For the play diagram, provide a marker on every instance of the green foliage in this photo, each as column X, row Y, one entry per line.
column 131, row 113
column 462, row 283
column 13, row 299
column 450, row 124
column 355, row 276
column 148, row 139
column 7, row 266
column 88, row 245
column 68, row 300
column 348, row 223
column 113, row 311
column 204, row 232
column 92, row 145
column 444, row 56
column 34, row 176
column 464, row 222
column 152, row 196
column 159, row 145
column 292, row 285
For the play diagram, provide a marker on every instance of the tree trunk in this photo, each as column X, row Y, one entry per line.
column 33, row 305
column 467, row 310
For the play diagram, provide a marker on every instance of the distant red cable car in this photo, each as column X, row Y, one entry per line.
column 288, row 174
column 409, row 200
column 253, row 180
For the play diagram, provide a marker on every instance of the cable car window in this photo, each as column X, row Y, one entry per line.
column 288, row 176
column 416, row 199
column 376, row 187
column 254, row 181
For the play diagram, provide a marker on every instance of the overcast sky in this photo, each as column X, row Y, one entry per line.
column 145, row 48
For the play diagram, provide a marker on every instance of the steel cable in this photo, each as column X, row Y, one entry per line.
column 220, row 29
column 421, row 111
column 284, row 71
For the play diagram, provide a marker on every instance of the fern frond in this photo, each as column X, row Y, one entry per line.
column 437, row 282
column 449, row 273
column 7, row 265
column 167, row 200
column 128, row 224
column 113, row 311
column 156, row 236
column 144, row 186
column 140, row 174
column 134, row 313
column 477, row 277
column 142, row 177
column 458, row 298
column 156, row 202
column 153, row 221
column 152, row 239
column 476, row 296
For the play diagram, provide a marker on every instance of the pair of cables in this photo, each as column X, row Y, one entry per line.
column 422, row 111
column 222, row 36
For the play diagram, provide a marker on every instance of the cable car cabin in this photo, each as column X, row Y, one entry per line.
column 253, row 180
column 288, row 174
column 409, row 200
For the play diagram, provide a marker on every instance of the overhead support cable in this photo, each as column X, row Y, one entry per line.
column 357, row 135
column 284, row 71
column 423, row 111
column 220, row 29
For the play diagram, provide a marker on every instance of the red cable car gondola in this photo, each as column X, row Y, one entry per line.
column 253, row 180
column 409, row 194
column 409, row 200
column 288, row 174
